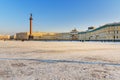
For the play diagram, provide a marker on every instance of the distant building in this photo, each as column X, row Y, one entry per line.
column 74, row 34
column 12, row 37
column 22, row 36
column 63, row 36
column 4, row 37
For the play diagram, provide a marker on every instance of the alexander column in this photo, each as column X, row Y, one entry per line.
column 30, row 36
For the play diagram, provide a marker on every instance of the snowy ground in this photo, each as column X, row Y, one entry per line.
column 48, row 60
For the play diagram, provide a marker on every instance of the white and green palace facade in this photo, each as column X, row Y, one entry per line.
column 108, row 32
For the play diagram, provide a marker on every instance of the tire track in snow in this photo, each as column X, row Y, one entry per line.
column 61, row 61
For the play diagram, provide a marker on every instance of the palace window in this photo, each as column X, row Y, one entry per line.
column 117, row 32
column 114, row 37
column 117, row 37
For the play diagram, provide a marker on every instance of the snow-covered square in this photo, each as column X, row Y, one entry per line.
column 63, row 60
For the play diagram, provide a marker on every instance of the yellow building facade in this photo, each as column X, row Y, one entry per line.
column 4, row 37
column 43, row 36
